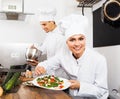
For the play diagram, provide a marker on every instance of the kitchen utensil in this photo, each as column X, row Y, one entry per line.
column 111, row 13
column 32, row 53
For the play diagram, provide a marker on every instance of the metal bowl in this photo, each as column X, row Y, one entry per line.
column 32, row 54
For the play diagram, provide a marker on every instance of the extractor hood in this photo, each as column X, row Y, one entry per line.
column 12, row 10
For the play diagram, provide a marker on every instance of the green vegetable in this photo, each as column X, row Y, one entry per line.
column 49, row 81
column 18, row 82
column 11, row 82
column 54, row 84
column 8, row 76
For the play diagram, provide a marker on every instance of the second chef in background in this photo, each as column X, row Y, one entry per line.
column 53, row 42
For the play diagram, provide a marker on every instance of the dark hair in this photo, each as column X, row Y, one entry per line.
column 52, row 21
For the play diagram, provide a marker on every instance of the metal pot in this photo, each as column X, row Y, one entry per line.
column 111, row 12
column 32, row 53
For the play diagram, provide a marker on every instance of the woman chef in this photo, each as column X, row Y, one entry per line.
column 87, row 69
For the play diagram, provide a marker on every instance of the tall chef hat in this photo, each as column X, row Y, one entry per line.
column 78, row 27
column 47, row 14
column 65, row 22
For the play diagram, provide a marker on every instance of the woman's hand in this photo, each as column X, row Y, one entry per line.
column 74, row 84
column 39, row 70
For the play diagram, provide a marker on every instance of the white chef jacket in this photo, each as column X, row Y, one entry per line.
column 90, row 70
column 53, row 43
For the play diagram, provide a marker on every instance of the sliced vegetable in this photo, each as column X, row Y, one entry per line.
column 50, row 81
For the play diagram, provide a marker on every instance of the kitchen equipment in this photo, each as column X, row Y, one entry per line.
column 15, row 68
column 32, row 54
column 111, row 13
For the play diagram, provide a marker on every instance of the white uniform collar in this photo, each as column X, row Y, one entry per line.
column 81, row 58
column 56, row 31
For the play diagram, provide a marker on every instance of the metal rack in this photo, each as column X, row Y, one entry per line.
column 87, row 3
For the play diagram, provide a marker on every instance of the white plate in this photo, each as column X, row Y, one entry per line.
column 66, row 83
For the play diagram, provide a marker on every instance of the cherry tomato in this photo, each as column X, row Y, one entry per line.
column 61, row 86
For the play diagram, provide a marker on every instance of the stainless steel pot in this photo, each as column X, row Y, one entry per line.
column 112, row 9
column 111, row 13
column 32, row 53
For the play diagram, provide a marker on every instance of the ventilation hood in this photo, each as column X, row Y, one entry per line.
column 12, row 10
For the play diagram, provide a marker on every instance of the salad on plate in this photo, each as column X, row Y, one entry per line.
column 51, row 82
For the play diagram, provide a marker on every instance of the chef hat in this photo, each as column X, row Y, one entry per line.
column 65, row 22
column 47, row 14
column 75, row 29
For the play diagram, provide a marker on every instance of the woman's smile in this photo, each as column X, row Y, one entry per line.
column 76, row 44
